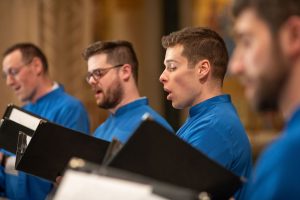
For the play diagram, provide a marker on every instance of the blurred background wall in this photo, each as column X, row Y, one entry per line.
column 64, row 28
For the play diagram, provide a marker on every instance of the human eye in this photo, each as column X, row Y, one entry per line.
column 98, row 73
column 13, row 71
column 245, row 41
column 171, row 67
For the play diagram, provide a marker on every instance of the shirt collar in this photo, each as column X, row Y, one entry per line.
column 137, row 103
column 55, row 89
column 293, row 123
column 204, row 105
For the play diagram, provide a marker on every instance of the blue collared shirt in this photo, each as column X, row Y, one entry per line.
column 214, row 128
column 277, row 172
column 126, row 120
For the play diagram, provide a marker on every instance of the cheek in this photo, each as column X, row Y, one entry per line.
column 184, row 84
column 108, row 83
column 25, row 80
column 258, row 60
column 26, row 77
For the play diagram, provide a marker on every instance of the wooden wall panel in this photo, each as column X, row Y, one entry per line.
column 62, row 29
column 18, row 23
column 138, row 21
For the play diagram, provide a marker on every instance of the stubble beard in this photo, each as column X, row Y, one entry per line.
column 112, row 97
column 271, row 84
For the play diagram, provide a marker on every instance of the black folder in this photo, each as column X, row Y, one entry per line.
column 13, row 122
column 52, row 146
column 9, row 131
column 155, row 152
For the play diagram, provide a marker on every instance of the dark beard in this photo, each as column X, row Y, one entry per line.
column 113, row 97
column 271, row 87
column 268, row 95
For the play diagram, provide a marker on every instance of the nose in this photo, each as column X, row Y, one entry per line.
column 92, row 81
column 163, row 77
column 9, row 80
column 236, row 66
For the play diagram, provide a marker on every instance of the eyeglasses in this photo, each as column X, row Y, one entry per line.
column 14, row 71
column 97, row 74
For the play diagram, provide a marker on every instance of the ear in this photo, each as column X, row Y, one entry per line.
column 126, row 72
column 37, row 66
column 290, row 37
column 203, row 68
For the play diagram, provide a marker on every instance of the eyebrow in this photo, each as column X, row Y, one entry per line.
column 91, row 71
column 170, row 61
column 238, row 34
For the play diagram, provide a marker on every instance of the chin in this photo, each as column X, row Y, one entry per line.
column 99, row 104
column 251, row 95
column 176, row 106
column 23, row 99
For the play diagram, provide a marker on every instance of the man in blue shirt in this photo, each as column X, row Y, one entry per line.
column 196, row 62
column 25, row 70
column 267, row 60
column 112, row 75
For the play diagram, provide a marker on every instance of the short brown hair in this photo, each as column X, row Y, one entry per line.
column 28, row 51
column 200, row 43
column 118, row 52
column 273, row 12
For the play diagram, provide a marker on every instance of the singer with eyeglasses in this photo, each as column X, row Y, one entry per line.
column 113, row 75
column 25, row 70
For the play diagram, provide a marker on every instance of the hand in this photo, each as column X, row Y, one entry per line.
column 57, row 181
column 3, row 159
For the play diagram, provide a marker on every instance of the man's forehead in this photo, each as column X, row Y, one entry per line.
column 12, row 58
column 174, row 55
column 14, row 54
column 97, row 61
column 174, row 50
column 245, row 21
column 97, row 58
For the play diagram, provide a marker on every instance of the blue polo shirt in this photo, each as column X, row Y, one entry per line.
column 214, row 128
column 277, row 172
column 122, row 124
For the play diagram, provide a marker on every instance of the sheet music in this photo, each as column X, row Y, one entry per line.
column 28, row 138
column 79, row 185
column 24, row 119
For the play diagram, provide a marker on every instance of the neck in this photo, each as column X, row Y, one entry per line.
column 208, row 92
column 43, row 88
column 130, row 94
column 290, row 97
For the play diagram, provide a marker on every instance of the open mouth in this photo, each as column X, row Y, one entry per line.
column 16, row 89
column 167, row 90
column 98, row 92
column 169, row 93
